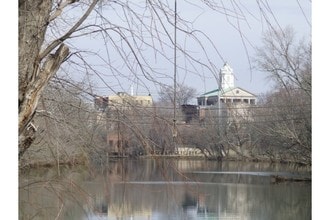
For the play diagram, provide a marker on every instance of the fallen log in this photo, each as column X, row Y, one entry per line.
column 278, row 179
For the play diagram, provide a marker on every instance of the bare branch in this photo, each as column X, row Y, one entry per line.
column 58, row 41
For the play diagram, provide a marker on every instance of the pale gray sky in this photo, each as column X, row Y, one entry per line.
column 296, row 13
column 234, row 46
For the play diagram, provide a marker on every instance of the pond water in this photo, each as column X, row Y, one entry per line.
column 159, row 189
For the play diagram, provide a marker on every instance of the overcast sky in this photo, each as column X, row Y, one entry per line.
column 295, row 13
column 233, row 46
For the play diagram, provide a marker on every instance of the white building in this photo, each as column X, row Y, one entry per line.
column 227, row 91
column 229, row 96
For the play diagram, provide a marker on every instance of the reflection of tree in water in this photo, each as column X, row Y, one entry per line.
column 188, row 201
column 189, row 205
column 194, row 206
column 157, row 188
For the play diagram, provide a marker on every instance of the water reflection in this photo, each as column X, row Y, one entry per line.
column 167, row 189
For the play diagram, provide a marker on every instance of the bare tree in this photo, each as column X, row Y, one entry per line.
column 38, row 62
column 184, row 94
column 134, row 38
column 288, row 62
column 44, row 27
column 286, row 113
column 68, row 129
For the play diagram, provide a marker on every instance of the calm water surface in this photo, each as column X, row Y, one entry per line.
column 165, row 189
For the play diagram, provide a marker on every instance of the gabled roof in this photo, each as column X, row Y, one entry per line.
column 229, row 92
column 210, row 93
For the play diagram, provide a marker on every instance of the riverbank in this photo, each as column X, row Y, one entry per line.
column 87, row 161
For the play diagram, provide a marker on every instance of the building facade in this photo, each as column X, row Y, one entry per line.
column 117, row 111
column 227, row 100
column 125, row 101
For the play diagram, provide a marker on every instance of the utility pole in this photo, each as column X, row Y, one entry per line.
column 219, row 99
column 175, row 73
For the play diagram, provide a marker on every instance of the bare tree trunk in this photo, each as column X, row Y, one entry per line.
column 34, row 73
column 37, row 65
column 32, row 92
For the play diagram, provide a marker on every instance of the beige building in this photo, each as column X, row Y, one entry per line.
column 114, row 110
column 122, row 101
column 126, row 101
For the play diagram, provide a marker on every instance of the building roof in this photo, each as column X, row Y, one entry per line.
column 230, row 92
column 123, row 98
